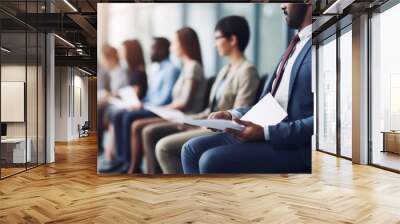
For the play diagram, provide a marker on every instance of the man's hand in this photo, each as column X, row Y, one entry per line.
column 225, row 115
column 251, row 132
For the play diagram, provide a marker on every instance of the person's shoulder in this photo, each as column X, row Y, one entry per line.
column 248, row 65
column 195, row 66
column 169, row 66
column 120, row 69
column 224, row 69
column 249, row 68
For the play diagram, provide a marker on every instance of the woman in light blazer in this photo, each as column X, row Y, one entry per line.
column 235, row 86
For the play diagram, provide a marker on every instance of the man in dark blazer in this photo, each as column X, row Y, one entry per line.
column 281, row 148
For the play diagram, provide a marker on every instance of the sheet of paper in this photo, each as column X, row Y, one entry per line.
column 128, row 98
column 218, row 124
column 129, row 95
column 118, row 103
column 266, row 112
column 168, row 114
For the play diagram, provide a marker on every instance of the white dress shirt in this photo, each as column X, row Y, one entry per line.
column 282, row 93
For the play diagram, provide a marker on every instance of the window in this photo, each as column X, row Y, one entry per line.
column 334, row 94
column 22, row 87
column 346, row 93
column 385, row 88
column 327, row 95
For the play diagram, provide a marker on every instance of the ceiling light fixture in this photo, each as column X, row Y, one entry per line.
column 5, row 50
column 337, row 7
column 64, row 40
column 84, row 71
column 70, row 5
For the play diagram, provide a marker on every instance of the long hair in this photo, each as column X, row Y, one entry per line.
column 134, row 55
column 136, row 65
column 190, row 44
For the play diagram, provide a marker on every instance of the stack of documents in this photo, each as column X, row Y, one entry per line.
column 266, row 112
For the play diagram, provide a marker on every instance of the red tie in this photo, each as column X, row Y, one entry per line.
column 282, row 66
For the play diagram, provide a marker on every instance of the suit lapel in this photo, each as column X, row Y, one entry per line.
column 296, row 66
column 268, row 84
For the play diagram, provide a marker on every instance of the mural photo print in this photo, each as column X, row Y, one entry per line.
column 190, row 88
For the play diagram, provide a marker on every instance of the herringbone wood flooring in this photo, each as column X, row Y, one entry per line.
column 70, row 191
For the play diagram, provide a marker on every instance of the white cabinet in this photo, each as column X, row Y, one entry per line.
column 16, row 149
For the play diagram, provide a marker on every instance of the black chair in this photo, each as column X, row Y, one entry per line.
column 210, row 82
column 263, row 81
column 84, row 130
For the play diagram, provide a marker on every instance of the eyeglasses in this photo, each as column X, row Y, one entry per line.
column 219, row 37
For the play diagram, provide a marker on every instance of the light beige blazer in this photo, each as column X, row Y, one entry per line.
column 240, row 88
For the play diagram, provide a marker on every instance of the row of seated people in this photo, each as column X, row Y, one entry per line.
column 184, row 90
column 135, row 134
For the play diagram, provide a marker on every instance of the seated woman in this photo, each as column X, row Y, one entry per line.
column 110, row 79
column 124, row 69
column 190, row 87
column 132, row 61
column 157, row 94
column 235, row 86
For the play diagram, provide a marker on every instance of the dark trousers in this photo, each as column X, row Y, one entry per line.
column 122, row 122
column 222, row 153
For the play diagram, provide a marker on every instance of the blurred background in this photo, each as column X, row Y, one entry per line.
column 270, row 35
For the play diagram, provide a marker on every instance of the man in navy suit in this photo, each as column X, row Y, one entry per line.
column 281, row 148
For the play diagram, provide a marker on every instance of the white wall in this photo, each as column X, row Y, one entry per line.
column 61, row 103
column 118, row 22
column 16, row 73
column 71, row 87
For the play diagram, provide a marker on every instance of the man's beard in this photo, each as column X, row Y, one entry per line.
column 297, row 16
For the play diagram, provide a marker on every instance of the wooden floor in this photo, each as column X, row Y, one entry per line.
column 10, row 171
column 70, row 191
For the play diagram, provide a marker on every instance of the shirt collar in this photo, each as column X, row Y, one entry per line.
column 305, row 33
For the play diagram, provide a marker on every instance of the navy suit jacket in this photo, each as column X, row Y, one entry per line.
column 295, row 131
